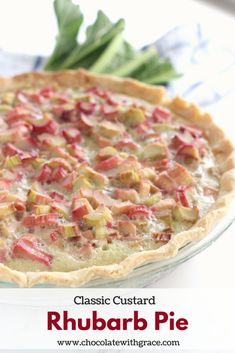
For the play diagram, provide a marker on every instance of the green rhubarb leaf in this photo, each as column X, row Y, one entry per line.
column 107, row 55
column 125, row 53
column 69, row 19
column 130, row 66
column 100, row 33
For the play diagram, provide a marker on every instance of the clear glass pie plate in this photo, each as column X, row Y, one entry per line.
column 147, row 274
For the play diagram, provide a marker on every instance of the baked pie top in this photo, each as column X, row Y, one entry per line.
column 92, row 175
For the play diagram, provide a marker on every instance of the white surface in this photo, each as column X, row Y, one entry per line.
column 28, row 26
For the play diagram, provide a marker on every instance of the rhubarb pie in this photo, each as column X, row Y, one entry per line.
column 100, row 175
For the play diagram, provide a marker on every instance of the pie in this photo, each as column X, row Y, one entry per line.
column 100, row 175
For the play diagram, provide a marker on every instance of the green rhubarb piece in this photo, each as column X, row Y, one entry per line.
column 181, row 213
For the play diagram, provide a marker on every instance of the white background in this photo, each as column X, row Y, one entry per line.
column 28, row 26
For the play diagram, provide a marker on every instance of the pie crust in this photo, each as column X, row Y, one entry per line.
column 222, row 148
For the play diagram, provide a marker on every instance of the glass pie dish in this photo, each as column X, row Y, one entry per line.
column 110, row 211
column 147, row 274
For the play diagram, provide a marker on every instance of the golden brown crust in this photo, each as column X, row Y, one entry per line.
column 223, row 150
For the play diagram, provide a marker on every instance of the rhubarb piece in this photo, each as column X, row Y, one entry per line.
column 144, row 128
column 127, row 228
column 80, row 208
column 19, row 206
column 85, row 123
column 152, row 200
column 92, row 176
column 61, row 209
column 127, row 143
column 144, row 189
column 47, row 92
column 66, row 113
column 71, row 135
column 59, row 162
column 45, row 125
column 106, row 152
column 28, row 246
column 162, row 205
column 54, row 236
column 102, row 141
column 181, row 196
column 136, row 211
column 161, row 115
column 86, row 107
column 16, row 156
column 166, row 217
column 100, row 92
column 58, row 174
column 45, row 174
column 193, row 131
column 181, row 213
column 8, row 97
column 177, row 141
column 163, row 236
column 17, row 114
column 5, row 108
column 37, row 162
column 82, row 97
column 109, row 111
column 147, row 173
column 98, row 217
column 188, row 151
column 10, row 150
column 162, row 164
column 57, row 196
column 12, row 162
column 133, row 117
column 121, row 208
column 180, row 175
column 13, row 134
column 69, row 181
column 35, row 197
column 165, row 182
column 109, row 163
column 6, row 209
column 129, row 178
column 100, row 231
column 129, row 163
column 7, row 196
column 79, row 212
column 109, row 129
column 82, row 182
column 101, row 198
column 77, row 151
column 41, row 209
column 127, row 195
column 53, row 140
column 155, row 150
column 43, row 221
column 68, row 230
